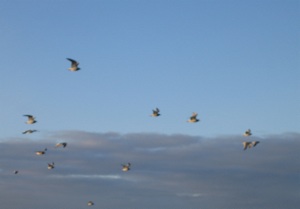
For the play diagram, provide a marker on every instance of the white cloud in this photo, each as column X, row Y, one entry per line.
column 84, row 176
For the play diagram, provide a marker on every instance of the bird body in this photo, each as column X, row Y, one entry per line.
column 247, row 133
column 247, row 145
column 193, row 118
column 254, row 143
column 74, row 65
column 126, row 167
column 90, row 203
column 31, row 119
column 155, row 113
column 41, row 152
column 250, row 144
column 62, row 144
column 29, row 131
column 50, row 165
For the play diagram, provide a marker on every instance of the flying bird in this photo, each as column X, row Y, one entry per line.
column 62, row 144
column 247, row 145
column 50, row 165
column 247, row 133
column 31, row 119
column 155, row 113
column 74, row 65
column 90, row 203
column 41, row 152
column 29, row 131
column 254, row 143
column 126, row 167
column 16, row 172
column 250, row 144
column 193, row 118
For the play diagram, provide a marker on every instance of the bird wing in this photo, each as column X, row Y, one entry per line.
column 29, row 116
column 194, row 115
column 255, row 143
column 245, row 145
column 74, row 63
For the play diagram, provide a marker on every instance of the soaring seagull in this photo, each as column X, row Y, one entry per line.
column 247, row 145
column 254, row 143
column 41, row 152
column 31, row 119
column 126, row 167
column 193, row 118
column 29, row 131
column 50, row 165
column 155, row 113
column 247, row 133
column 62, row 144
column 90, row 203
column 74, row 65
column 250, row 144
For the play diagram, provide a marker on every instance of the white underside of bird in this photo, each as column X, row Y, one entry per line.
column 50, row 166
column 90, row 203
column 126, row 167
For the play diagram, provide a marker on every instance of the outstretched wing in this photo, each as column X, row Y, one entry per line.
column 194, row 115
column 29, row 116
column 74, row 63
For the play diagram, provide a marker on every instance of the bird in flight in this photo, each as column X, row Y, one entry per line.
column 62, row 144
column 74, row 65
column 193, row 118
column 29, row 131
column 16, row 172
column 247, row 133
column 126, row 167
column 90, row 203
column 50, row 165
column 41, row 152
column 31, row 119
column 155, row 113
column 250, row 144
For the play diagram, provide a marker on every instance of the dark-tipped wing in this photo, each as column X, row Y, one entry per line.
column 194, row 115
column 74, row 63
column 29, row 116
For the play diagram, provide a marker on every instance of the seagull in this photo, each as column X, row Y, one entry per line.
column 31, row 119
column 254, row 143
column 248, row 133
column 193, row 118
column 16, row 172
column 247, row 145
column 155, row 113
column 50, row 165
column 250, row 144
column 62, row 144
column 126, row 167
column 41, row 152
column 29, row 131
column 90, row 203
column 74, row 65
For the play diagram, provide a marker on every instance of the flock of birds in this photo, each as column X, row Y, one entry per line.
column 125, row 167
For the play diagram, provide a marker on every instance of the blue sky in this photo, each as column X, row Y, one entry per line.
column 235, row 63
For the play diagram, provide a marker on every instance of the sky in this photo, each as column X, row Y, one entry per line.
column 234, row 62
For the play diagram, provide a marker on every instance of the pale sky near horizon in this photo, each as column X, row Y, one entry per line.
column 234, row 62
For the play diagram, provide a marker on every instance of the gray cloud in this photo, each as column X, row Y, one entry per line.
column 168, row 171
